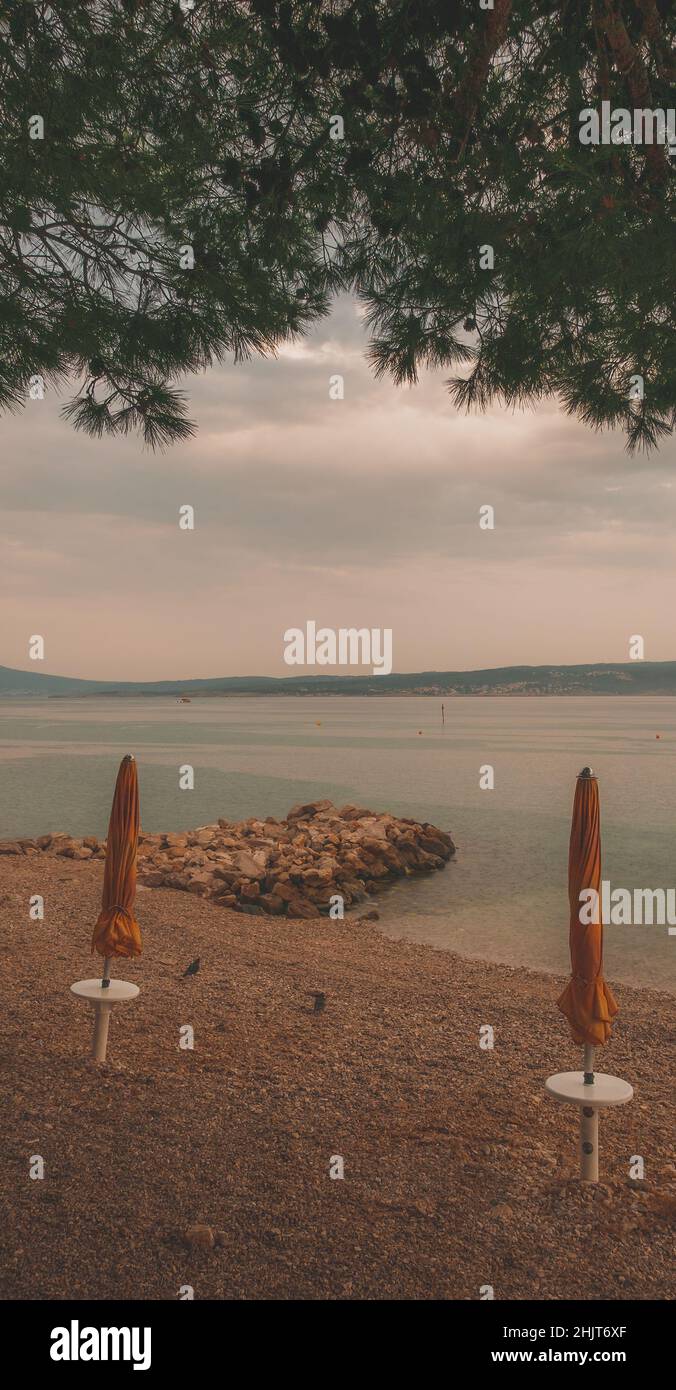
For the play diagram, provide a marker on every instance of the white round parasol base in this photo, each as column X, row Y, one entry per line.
column 569, row 1086
column 606, row 1090
column 116, row 992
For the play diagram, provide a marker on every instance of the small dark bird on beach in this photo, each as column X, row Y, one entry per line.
column 193, row 967
column 319, row 998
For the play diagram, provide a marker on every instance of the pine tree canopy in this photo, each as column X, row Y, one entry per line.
column 182, row 184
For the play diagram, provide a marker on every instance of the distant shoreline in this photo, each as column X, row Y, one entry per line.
column 584, row 678
column 339, row 695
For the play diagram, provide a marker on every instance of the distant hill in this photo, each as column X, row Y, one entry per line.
column 624, row 678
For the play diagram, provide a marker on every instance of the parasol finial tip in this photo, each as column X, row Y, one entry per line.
column 587, row 772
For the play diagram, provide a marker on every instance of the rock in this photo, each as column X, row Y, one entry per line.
column 201, row 837
column 432, row 846
column 200, row 883
column 316, row 876
column 293, row 867
column 375, row 869
column 430, row 861
column 285, row 891
column 309, row 809
column 300, row 907
column 372, row 845
column 394, row 861
column 10, row 847
column 441, row 835
column 372, row 916
column 249, row 865
column 271, row 903
column 200, row 1237
column 372, row 830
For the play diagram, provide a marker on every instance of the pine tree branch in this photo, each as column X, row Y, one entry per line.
column 469, row 92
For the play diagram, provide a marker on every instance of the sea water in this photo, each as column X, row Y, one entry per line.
column 504, row 897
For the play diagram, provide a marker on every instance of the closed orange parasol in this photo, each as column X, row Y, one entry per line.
column 117, row 932
column 587, row 1001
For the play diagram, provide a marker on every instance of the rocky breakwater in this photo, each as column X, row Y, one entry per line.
column 292, row 867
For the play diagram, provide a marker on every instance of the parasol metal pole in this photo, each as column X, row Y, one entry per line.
column 589, row 1051
column 105, row 979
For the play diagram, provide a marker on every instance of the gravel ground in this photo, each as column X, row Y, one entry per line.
column 458, row 1171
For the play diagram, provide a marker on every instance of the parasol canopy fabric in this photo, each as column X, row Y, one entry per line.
column 117, row 932
column 587, row 1001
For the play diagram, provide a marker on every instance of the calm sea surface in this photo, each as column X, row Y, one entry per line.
column 503, row 898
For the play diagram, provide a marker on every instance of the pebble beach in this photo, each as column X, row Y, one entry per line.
column 168, row 1169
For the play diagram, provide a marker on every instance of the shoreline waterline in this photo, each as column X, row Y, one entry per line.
column 504, row 895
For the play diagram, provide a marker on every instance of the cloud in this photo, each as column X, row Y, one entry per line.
column 358, row 511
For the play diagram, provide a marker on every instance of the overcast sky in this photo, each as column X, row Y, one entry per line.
column 355, row 513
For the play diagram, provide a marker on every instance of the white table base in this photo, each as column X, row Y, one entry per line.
column 102, row 1000
column 569, row 1087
